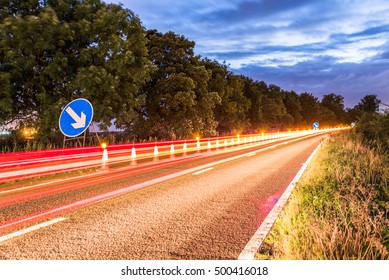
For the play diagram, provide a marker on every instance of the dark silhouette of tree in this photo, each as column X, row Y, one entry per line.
column 335, row 103
column 369, row 104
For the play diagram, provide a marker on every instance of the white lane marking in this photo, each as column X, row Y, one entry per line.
column 251, row 154
column 30, row 229
column 202, row 171
column 251, row 248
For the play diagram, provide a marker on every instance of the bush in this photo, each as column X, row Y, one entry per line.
column 374, row 130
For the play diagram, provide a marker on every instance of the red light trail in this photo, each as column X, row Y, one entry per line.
column 145, row 153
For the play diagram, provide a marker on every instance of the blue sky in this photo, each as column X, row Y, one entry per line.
column 317, row 46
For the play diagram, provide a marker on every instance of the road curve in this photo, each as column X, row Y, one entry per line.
column 208, row 215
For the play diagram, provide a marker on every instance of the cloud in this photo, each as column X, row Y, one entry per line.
column 245, row 11
column 376, row 30
column 385, row 55
column 324, row 75
column 317, row 46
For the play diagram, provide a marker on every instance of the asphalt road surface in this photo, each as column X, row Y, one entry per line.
column 206, row 215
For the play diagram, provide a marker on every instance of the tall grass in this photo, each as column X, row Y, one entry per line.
column 339, row 210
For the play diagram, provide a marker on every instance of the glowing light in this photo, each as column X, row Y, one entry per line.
column 45, row 162
column 28, row 132
column 155, row 151
column 105, row 154
column 133, row 153
column 133, row 156
column 103, row 145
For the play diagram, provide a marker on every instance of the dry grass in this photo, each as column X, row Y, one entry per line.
column 339, row 209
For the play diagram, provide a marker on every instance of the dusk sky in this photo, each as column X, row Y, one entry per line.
column 316, row 46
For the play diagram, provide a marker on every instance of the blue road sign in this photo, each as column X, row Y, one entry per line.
column 315, row 125
column 76, row 117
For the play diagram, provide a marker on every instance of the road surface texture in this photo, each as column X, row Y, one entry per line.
column 208, row 215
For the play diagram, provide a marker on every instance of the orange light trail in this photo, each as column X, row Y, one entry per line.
column 12, row 195
column 14, row 166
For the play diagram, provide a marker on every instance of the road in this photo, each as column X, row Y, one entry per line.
column 210, row 212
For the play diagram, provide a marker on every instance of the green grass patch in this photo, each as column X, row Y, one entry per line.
column 339, row 209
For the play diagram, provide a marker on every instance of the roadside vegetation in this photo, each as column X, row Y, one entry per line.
column 340, row 208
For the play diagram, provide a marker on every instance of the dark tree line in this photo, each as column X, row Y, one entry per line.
column 147, row 83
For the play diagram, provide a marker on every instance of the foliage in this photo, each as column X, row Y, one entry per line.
column 309, row 108
column 178, row 103
column 339, row 209
column 369, row 104
column 374, row 129
column 293, row 109
column 335, row 104
column 149, row 84
column 59, row 50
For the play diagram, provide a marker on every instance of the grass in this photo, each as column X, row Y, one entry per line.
column 339, row 210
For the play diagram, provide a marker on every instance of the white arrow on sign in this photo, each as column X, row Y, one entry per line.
column 79, row 121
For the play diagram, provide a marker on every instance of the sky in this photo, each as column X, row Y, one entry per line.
column 315, row 46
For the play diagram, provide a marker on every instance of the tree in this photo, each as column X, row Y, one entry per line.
column 335, row 104
column 326, row 117
column 293, row 108
column 353, row 114
column 254, row 92
column 20, row 7
column 273, row 108
column 369, row 104
column 309, row 108
column 231, row 112
column 58, row 50
column 178, row 103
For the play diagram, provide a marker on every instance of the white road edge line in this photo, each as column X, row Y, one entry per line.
column 251, row 248
column 202, row 171
column 30, row 229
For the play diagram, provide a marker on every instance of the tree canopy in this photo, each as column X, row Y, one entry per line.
column 54, row 51
column 150, row 84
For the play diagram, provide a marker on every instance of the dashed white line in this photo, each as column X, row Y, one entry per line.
column 30, row 229
column 202, row 171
